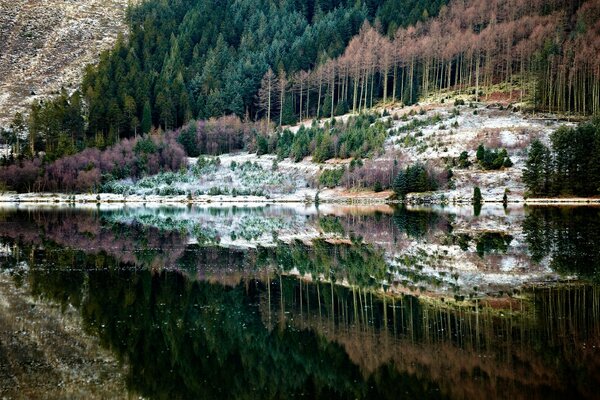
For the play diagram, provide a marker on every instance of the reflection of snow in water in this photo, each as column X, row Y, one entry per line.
column 437, row 260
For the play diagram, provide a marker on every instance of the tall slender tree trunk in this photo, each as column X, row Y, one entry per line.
column 355, row 94
column 319, row 100
column 477, row 77
column 394, row 80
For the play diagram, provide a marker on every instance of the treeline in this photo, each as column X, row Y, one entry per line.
column 415, row 178
column 570, row 167
column 86, row 171
column 568, row 236
column 90, row 169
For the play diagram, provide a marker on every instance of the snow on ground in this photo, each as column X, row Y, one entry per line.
column 435, row 134
column 452, row 130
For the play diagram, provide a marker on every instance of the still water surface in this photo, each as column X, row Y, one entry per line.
column 335, row 302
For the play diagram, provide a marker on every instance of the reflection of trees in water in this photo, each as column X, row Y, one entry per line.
column 386, row 229
column 419, row 223
column 570, row 236
column 190, row 339
column 86, row 231
column 356, row 263
column 185, row 338
column 485, row 242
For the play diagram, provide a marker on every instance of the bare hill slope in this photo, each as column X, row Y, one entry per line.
column 46, row 44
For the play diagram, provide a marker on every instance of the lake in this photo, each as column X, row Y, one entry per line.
column 287, row 301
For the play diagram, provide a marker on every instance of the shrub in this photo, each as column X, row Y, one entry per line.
column 87, row 170
column 463, row 160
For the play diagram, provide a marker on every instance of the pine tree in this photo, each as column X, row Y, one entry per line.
column 535, row 174
column 480, row 153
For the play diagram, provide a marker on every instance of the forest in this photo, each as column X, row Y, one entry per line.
column 221, row 77
column 198, row 59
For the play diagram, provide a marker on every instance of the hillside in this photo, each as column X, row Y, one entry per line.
column 45, row 45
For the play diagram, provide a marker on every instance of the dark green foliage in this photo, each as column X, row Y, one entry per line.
column 187, row 138
column 187, row 59
column 492, row 242
column 414, row 178
column 571, row 167
column 394, row 14
column 330, row 224
column 536, row 174
column 569, row 235
column 416, row 224
column 146, row 117
column 477, row 198
column 463, row 160
column 57, row 126
column 493, row 159
column 359, row 137
column 480, row 154
column 331, row 177
column 323, row 147
column 262, row 145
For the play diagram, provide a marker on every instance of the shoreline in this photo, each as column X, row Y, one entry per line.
column 325, row 197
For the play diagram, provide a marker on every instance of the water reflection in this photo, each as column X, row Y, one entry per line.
column 568, row 236
column 325, row 303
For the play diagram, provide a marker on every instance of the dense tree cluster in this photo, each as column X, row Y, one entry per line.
column 414, row 178
column 490, row 159
column 189, row 59
column 546, row 50
column 358, row 137
column 55, row 127
column 568, row 236
column 570, row 167
column 85, row 171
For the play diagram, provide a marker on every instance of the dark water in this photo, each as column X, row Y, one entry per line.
column 331, row 303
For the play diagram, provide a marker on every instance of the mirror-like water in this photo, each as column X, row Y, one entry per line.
column 279, row 302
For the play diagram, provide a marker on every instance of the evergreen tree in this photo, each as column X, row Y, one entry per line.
column 414, row 178
column 477, row 198
column 537, row 166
